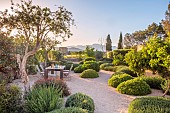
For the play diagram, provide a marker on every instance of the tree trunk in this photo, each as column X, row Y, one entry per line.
column 168, row 87
column 46, row 58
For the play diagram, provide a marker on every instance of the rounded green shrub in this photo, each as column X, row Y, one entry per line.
column 68, row 66
column 134, row 87
column 79, row 69
column 43, row 99
column 57, row 83
column 70, row 110
column 109, row 68
column 102, row 62
column 91, row 65
column 10, row 99
column 89, row 59
column 126, row 69
column 150, row 105
column 82, row 101
column 102, row 66
column 116, row 80
column 117, row 73
column 153, row 82
column 89, row 73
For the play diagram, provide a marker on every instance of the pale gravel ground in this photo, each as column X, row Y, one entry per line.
column 106, row 98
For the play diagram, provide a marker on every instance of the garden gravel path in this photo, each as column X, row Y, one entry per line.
column 106, row 98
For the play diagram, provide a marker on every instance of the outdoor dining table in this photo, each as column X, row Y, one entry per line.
column 58, row 68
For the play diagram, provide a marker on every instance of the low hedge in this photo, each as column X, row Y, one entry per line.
column 153, row 82
column 109, row 68
column 89, row 59
column 82, row 101
column 134, row 87
column 150, row 105
column 69, row 110
column 116, row 80
column 89, row 73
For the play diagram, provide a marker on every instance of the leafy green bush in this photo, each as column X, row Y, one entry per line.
column 118, row 60
column 82, row 101
column 89, row 73
column 117, row 73
column 70, row 110
column 134, row 87
column 102, row 62
column 43, row 99
column 91, row 65
column 10, row 99
column 81, row 62
column 126, row 69
column 116, row 80
column 102, row 66
column 150, row 105
column 57, row 83
column 79, row 69
column 121, row 51
column 89, row 59
column 153, row 82
column 109, row 68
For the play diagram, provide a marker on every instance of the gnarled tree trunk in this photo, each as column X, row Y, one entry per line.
column 168, row 87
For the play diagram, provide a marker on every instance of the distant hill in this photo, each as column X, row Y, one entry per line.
column 83, row 47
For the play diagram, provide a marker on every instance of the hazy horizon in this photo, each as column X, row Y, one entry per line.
column 96, row 19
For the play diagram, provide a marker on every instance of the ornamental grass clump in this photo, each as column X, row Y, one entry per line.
column 43, row 99
column 82, row 101
column 150, row 105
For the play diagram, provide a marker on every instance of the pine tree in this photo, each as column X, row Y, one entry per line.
column 108, row 43
column 120, row 43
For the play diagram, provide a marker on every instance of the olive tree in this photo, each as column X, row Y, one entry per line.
column 35, row 24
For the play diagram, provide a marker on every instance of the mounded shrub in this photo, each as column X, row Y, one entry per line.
column 134, row 87
column 70, row 110
column 153, row 82
column 121, row 51
column 126, row 69
column 82, row 101
column 102, row 66
column 68, row 66
column 117, row 73
column 109, row 68
column 102, row 62
column 43, row 99
column 116, row 80
column 89, row 73
column 89, row 59
column 150, row 105
column 79, row 69
column 57, row 83
column 91, row 65
column 10, row 99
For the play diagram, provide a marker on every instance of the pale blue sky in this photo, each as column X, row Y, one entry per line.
column 97, row 18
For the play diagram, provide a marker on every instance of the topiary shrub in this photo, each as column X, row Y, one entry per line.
column 125, row 69
column 150, row 105
column 91, row 65
column 43, row 99
column 82, row 101
column 10, row 99
column 116, row 80
column 89, row 73
column 109, row 68
column 102, row 62
column 117, row 73
column 153, row 82
column 134, row 87
column 79, row 69
column 68, row 66
column 57, row 83
column 102, row 66
column 70, row 110
column 89, row 59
